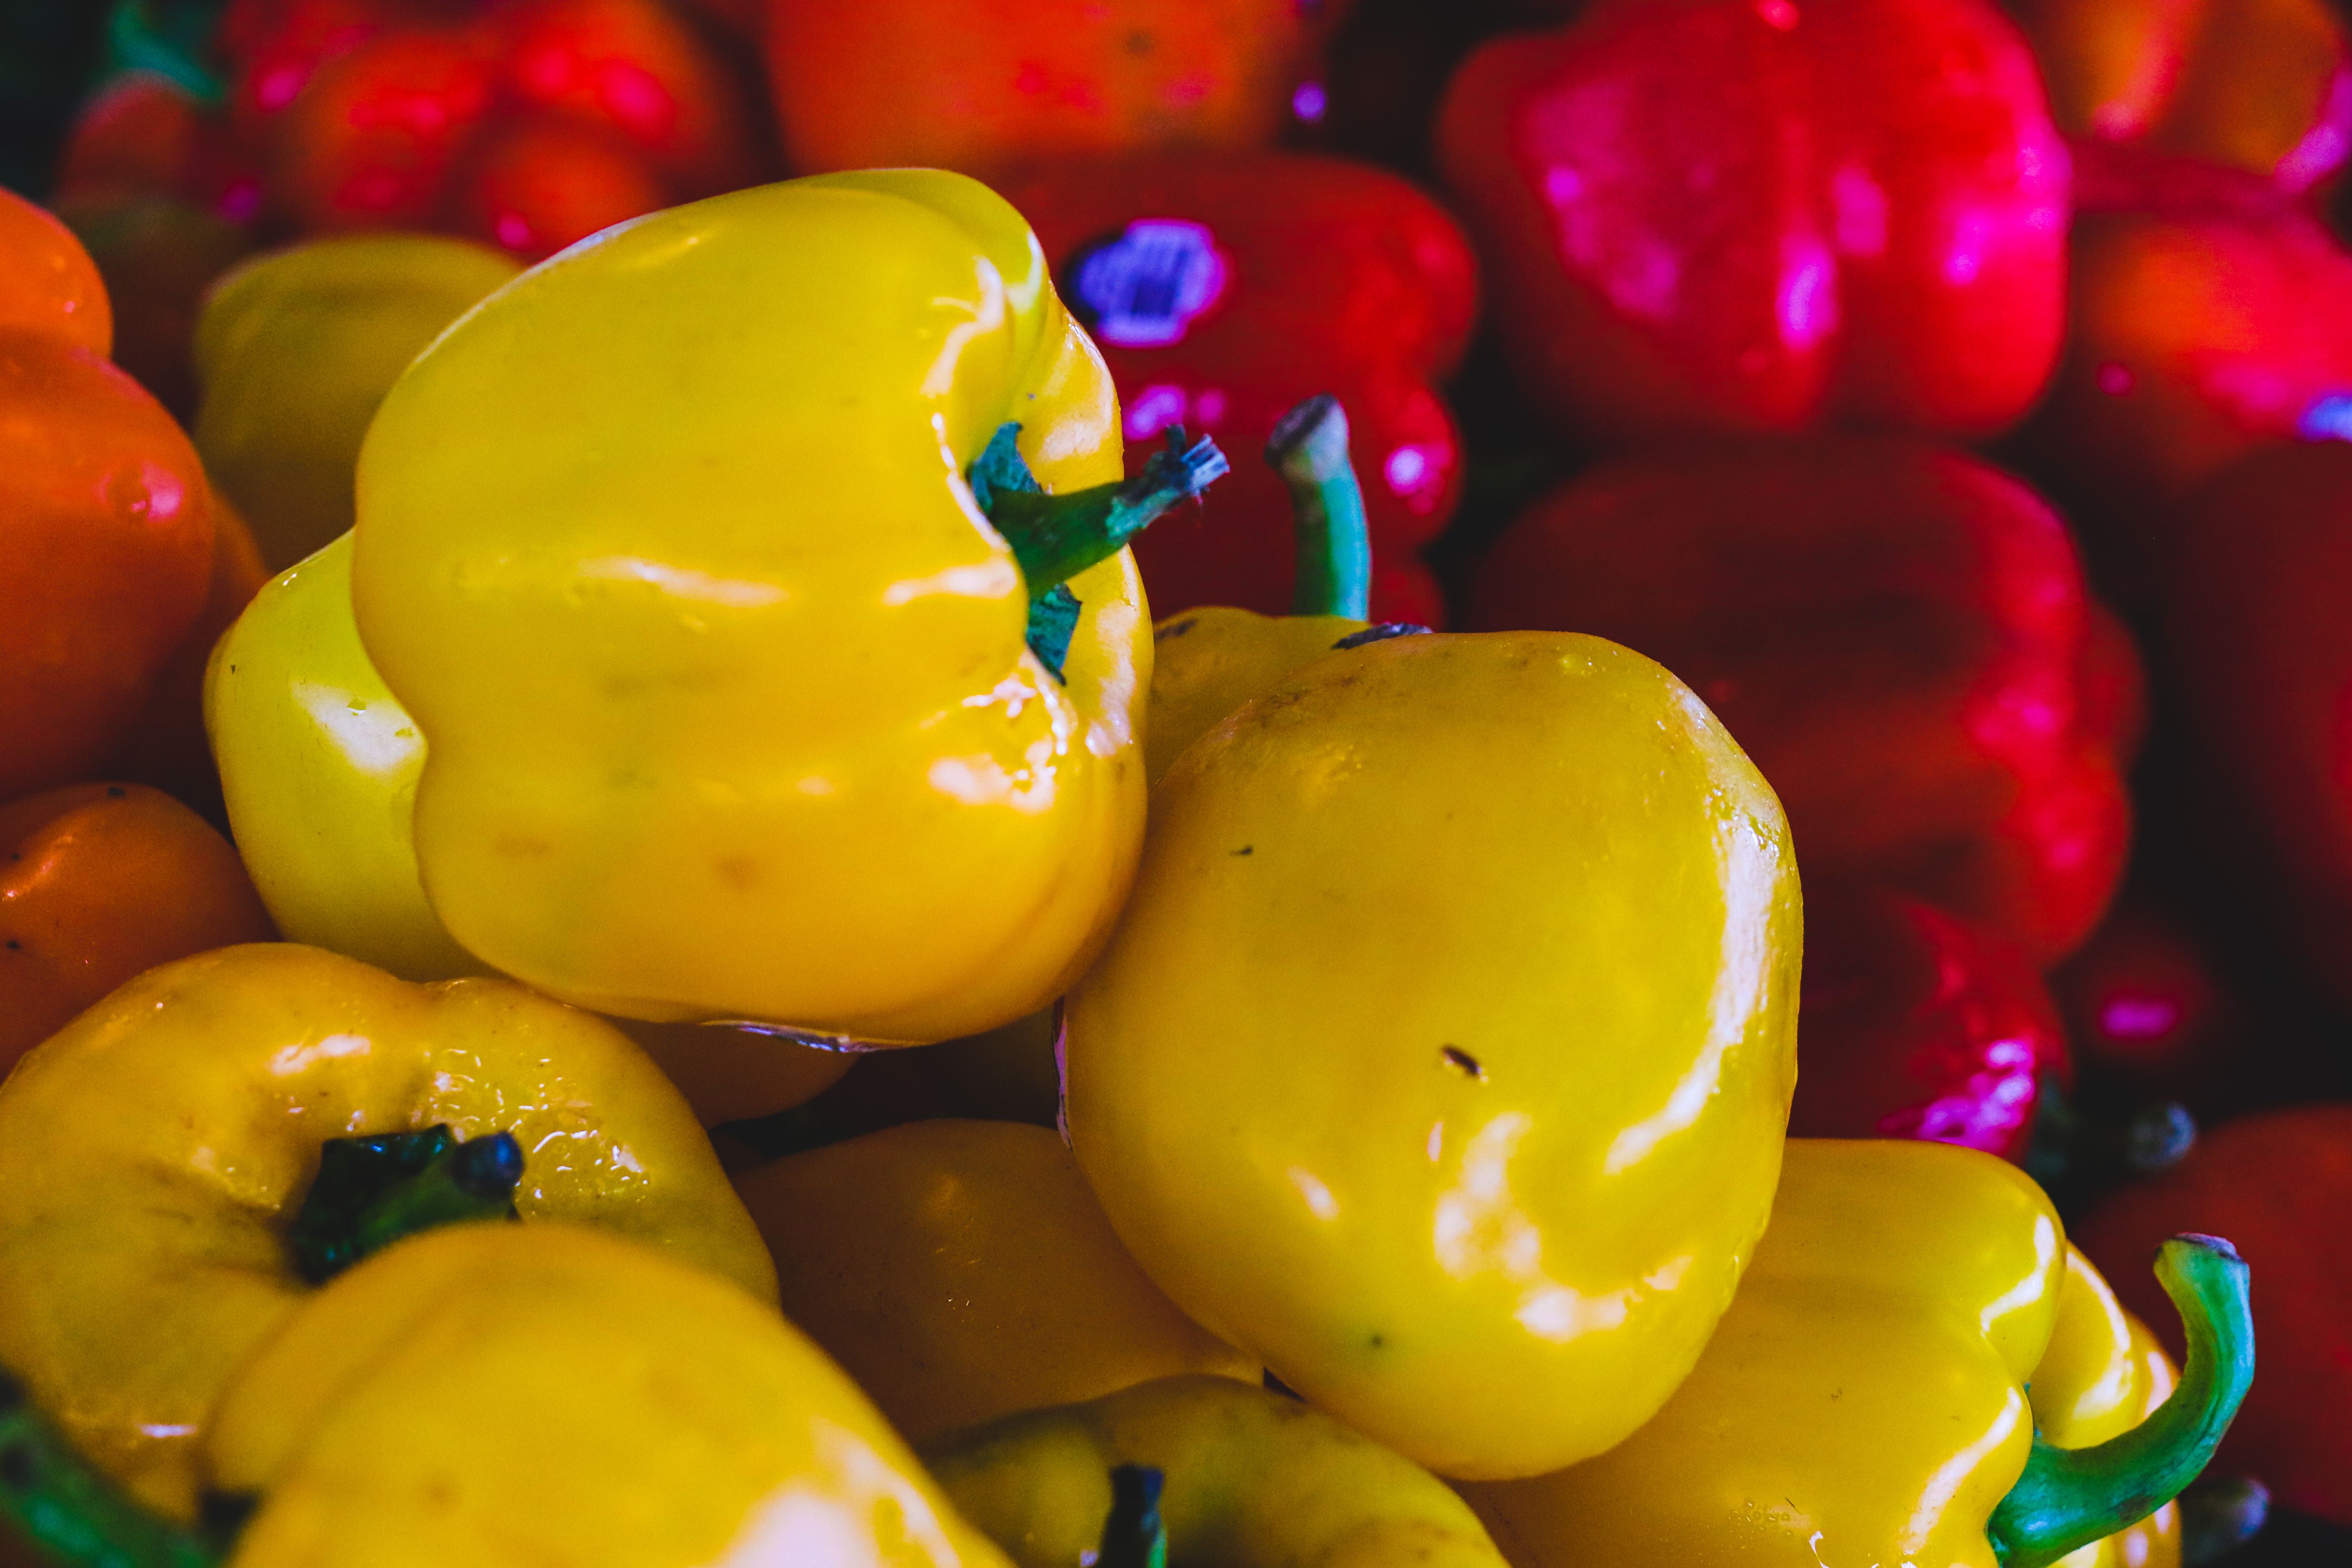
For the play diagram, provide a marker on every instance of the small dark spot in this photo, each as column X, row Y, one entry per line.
column 1138, row 42
column 1245, row 849
column 1381, row 633
column 1464, row 1061
column 231, row 669
column 15, row 946
column 116, row 791
column 1175, row 628
column 17, row 1466
column 1380, row 1342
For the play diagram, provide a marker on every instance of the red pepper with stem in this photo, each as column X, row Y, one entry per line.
column 1899, row 633
column 1222, row 291
column 1767, row 215
column 2279, row 1184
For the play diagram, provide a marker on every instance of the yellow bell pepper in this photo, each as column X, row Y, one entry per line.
column 294, row 351
column 2104, row 1375
column 735, row 702
column 961, row 1271
column 1443, row 1056
column 486, row 1397
column 1208, row 661
column 318, row 764
column 1249, row 1479
column 159, row 1160
column 1865, row 1399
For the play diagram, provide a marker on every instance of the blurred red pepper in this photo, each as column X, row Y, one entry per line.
column 2258, row 626
column 106, row 524
column 527, row 123
column 1897, row 634
column 2279, row 1186
column 994, row 88
column 2258, row 85
column 1225, row 290
column 1767, row 215
column 1912, row 1025
column 98, row 882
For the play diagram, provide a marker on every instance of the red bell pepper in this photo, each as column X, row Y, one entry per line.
column 1225, row 290
column 526, row 123
column 1897, row 634
column 1767, row 215
column 2279, row 1185
column 2258, row 623
column 1912, row 1025
column 993, row 88
column 106, row 524
column 2263, row 88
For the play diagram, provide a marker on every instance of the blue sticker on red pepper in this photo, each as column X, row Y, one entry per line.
column 1144, row 286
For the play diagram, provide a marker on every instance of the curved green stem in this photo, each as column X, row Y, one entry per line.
column 2070, row 1497
column 370, row 1192
column 1054, row 537
column 1134, row 1535
column 1310, row 449
column 58, row 1502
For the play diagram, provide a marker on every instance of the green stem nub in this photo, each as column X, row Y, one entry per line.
column 1054, row 537
column 1134, row 1535
column 55, row 1499
column 1310, row 449
column 370, row 1192
column 2068, row 1498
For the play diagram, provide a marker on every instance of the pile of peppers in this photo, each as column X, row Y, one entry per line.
column 1089, row 851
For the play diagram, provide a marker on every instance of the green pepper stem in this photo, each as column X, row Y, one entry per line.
column 62, row 1505
column 2068, row 1498
column 1310, row 449
column 1134, row 1535
column 1054, row 537
column 370, row 1192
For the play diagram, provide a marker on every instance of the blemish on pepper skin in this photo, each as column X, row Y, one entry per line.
column 1380, row 1342
column 115, row 791
column 1175, row 628
column 15, row 946
column 1245, row 849
column 1464, row 1061
column 738, row 871
column 1138, row 42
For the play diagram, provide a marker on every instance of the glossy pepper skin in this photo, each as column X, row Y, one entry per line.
column 318, row 764
column 527, row 124
column 960, row 1271
column 710, row 1433
column 2280, row 1179
column 152, row 1156
column 736, row 719
column 2261, row 86
column 989, row 88
column 107, row 541
column 1253, row 1480
column 1697, row 221
column 295, row 349
column 1443, row 1052
column 1864, row 1398
column 1224, row 291
column 99, row 881
column 1914, row 1025
column 1899, row 633
column 2103, row 1373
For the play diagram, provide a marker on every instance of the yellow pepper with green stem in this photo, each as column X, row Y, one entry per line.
column 699, row 557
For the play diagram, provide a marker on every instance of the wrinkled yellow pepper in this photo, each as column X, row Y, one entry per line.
column 669, row 548
column 294, row 351
column 156, row 1153
column 961, row 1271
column 1250, row 1480
column 1443, row 1055
column 487, row 1397
column 1865, row 1399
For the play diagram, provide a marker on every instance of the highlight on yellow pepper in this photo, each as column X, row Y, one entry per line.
column 1244, row 1479
column 180, row 1165
column 294, row 349
column 1864, row 1399
column 727, row 565
column 318, row 764
column 484, row 1396
column 1442, row 1057
column 961, row 1271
